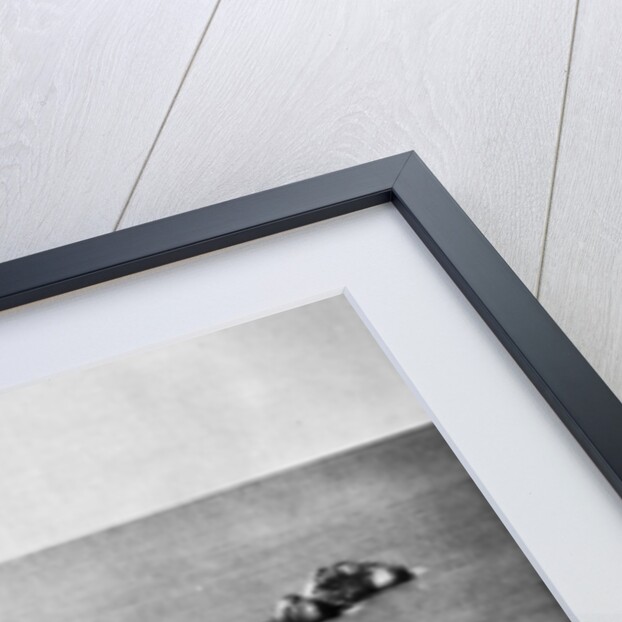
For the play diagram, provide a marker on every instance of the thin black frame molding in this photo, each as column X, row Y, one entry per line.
column 572, row 388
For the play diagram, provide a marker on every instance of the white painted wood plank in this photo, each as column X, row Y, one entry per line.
column 582, row 275
column 84, row 87
column 282, row 91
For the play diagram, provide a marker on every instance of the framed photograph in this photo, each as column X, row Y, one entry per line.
column 331, row 398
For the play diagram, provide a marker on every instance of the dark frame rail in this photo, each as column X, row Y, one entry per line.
column 578, row 395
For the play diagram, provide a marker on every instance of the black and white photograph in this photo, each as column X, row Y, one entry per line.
column 277, row 471
column 310, row 310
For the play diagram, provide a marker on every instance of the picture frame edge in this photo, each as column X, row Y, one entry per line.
column 565, row 379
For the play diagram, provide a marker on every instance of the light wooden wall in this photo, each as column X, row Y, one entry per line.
column 115, row 114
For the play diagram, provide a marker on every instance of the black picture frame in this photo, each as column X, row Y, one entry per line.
column 572, row 388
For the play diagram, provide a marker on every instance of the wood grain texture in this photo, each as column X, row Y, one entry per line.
column 582, row 274
column 229, row 557
column 84, row 87
column 282, row 92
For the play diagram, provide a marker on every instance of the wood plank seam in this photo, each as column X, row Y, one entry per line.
column 547, row 217
column 306, row 120
column 166, row 115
